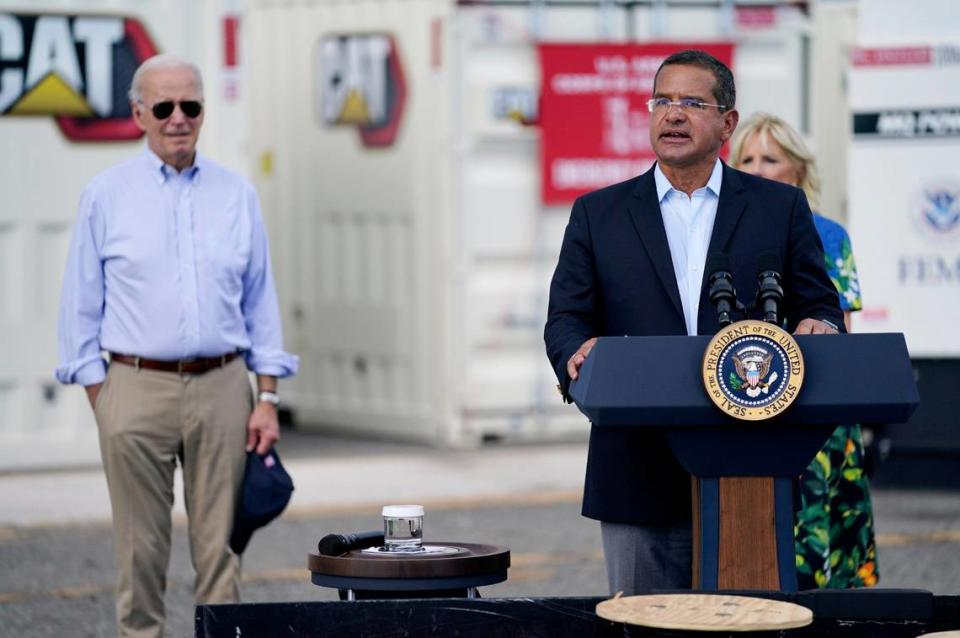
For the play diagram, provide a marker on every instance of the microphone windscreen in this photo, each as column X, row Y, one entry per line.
column 717, row 262
column 332, row 545
column 769, row 260
column 338, row 544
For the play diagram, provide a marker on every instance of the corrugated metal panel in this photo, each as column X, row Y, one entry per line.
column 362, row 228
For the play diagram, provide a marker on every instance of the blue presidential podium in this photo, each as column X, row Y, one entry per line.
column 744, row 471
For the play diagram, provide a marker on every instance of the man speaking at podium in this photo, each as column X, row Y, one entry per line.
column 632, row 263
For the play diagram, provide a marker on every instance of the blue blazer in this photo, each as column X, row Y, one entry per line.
column 615, row 277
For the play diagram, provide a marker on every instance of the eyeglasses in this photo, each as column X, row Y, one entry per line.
column 684, row 104
column 163, row 110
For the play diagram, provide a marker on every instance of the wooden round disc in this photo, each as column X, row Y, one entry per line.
column 942, row 634
column 705, row 612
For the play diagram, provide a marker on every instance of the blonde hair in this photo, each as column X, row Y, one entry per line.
column 791, row 143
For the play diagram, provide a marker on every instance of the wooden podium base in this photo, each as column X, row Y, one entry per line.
column 743, row 534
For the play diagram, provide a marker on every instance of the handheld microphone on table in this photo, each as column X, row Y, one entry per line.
column 338, row 544
column 769, row 290
column 722, row 293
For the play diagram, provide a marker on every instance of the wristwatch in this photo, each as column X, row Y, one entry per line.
column 269, row 397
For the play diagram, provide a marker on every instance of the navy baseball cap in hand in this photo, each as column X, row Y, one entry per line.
column 265, row 493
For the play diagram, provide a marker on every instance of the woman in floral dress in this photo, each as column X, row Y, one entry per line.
column 835, row 545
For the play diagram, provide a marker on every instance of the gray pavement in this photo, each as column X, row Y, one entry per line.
column 56, row 561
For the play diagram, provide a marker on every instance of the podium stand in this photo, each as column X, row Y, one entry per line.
column 744, row 470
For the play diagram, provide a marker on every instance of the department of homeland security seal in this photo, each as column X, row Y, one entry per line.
column 752, row 370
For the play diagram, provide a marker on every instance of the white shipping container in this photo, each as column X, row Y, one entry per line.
column 413, row 277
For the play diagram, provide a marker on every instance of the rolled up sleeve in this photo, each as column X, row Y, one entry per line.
column 261, row 312
column 81, row 300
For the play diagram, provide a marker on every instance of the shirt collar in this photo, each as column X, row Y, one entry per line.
column 664, row 186
column 162, row 172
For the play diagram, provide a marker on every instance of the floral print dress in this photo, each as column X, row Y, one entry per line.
column 834, row 535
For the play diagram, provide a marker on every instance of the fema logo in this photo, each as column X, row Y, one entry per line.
column 936, row 210
column 752, row 370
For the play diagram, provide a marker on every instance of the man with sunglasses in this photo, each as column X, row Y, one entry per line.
column 632, row 263
column 169, row 274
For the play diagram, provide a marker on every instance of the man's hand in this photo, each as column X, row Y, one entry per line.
column 263, row 428
column 93, row 391
column 573, row 365
column 814, row 327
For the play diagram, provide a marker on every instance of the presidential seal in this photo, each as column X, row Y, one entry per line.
column 752, row 370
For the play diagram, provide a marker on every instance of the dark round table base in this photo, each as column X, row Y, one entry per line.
column 389, row 588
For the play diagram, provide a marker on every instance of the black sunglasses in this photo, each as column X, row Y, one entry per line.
column 163, row 110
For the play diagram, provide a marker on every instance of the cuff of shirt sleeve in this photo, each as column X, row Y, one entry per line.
column 831, row 324
column 279, row 364
column 90, row 373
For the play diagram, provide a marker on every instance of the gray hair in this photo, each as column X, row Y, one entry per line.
column 793, row 147
column 161, row 61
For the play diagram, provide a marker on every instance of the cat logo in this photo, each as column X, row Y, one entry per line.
column 75, row 68
column 361, row 84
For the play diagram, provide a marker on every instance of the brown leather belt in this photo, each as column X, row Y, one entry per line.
column 189, row 366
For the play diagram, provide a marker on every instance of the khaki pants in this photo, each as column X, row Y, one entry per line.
column 146, row 420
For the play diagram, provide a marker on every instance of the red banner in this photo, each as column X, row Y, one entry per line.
column 593, row 112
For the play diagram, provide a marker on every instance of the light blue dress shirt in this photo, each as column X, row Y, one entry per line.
column 689, row 225
column 170, row 266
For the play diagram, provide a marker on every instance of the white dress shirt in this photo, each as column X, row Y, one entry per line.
column 689, row 225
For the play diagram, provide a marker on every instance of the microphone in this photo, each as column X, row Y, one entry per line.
column 338, row 544
column 722, row 293
column 769, row 290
